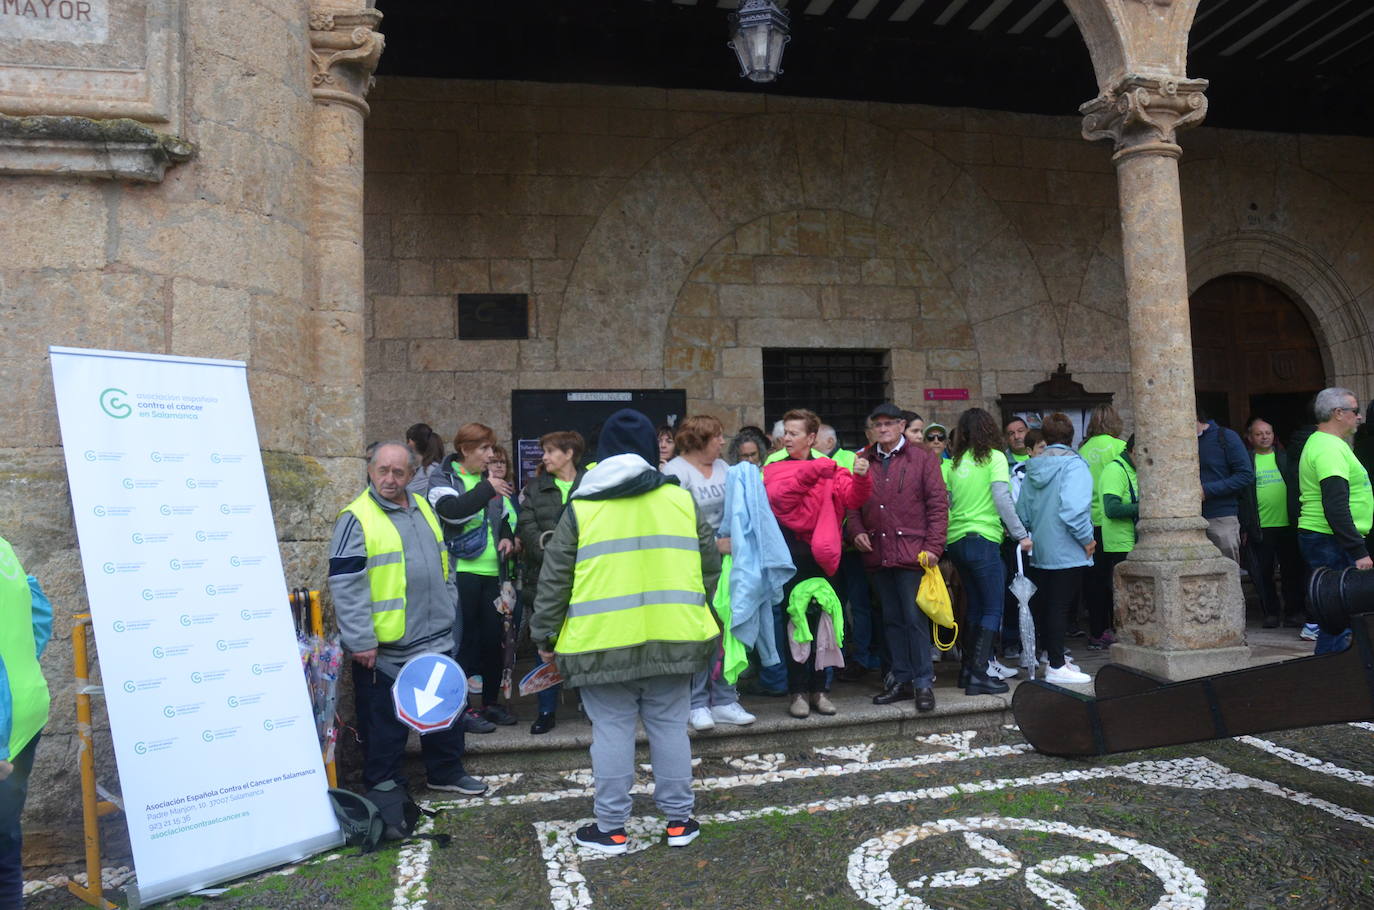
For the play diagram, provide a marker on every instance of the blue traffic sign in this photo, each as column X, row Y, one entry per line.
column 430, row 692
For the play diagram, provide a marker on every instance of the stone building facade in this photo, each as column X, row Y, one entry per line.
column 666, row 237
column 223, row 199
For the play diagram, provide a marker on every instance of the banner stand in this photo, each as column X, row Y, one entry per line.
column 211, row 723
column 93, row 808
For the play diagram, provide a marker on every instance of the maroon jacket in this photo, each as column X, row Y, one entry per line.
column 908, row 511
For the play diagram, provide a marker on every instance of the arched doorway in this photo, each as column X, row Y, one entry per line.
column 1254, row 353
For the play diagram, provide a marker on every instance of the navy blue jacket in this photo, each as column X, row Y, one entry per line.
column 1225, row 469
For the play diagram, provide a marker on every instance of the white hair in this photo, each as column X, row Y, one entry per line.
column 413, row 457
column 1328, row 400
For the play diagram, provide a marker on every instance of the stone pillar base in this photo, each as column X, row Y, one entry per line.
column 1176, row 665
column 1180, row 612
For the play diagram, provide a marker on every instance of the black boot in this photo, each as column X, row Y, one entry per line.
column 965, row 666
column 979, row 683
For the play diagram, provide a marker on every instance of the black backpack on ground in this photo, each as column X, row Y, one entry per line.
column 386, row 812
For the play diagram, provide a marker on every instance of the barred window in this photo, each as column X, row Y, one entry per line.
column 842, row 385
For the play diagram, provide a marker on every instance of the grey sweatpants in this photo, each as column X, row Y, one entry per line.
column 708, row 692
column 661, row 703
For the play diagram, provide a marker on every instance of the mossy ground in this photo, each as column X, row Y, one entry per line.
column 1250, row 848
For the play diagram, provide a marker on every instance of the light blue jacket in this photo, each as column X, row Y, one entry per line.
column 761, row 561
column 42, row 632
column 1056, row 507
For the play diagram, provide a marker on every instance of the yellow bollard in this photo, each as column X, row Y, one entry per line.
column 92, row 807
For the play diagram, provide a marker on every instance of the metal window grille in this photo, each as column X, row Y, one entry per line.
column 842, row 385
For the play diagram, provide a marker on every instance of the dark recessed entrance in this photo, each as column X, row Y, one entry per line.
column 1254, row 354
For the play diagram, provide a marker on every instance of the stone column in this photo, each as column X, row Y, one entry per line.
column 344, row 50
column 1179, row 608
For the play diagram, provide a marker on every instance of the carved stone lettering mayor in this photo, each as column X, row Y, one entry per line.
column 102, row 59
column 68, row 21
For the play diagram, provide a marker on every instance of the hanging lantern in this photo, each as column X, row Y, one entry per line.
column 758, row 33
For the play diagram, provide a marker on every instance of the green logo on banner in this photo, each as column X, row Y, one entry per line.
column 267, row 725
column 112, row 403
column 207, row 736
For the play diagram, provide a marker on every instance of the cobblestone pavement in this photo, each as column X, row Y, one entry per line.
column 955, row 820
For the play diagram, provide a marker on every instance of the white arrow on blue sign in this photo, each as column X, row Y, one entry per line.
column 430, row 692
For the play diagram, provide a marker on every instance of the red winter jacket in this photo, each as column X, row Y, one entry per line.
column 810, row 498
column 907, row 513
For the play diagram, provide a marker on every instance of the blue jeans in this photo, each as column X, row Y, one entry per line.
column 979, row 562
column 859, row 632
column 1321, row 551
column 774, row 678
column 13, row 791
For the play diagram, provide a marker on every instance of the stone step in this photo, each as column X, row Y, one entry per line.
column 513, row 748
column 858, row 720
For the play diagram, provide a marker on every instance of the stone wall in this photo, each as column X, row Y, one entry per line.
column 666, row 237
column 211, row 262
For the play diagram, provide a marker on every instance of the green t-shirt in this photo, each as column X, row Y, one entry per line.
column 971, row 509
column 564, row 488
column 487, row 563
column 1024, row 456
column 780, row 454
column 844, row 458
column 1270, row 492
column 1117, row 479
column 1098, row 451
column 1327, row 455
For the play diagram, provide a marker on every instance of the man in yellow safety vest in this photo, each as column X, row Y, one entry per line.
column 395, row 598
column 623, row 608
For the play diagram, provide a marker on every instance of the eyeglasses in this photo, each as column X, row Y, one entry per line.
column 1355, row 411
column 935, row 437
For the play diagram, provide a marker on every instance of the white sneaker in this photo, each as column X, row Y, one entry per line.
column 701, row 719
column 1066, row 675
column 1068, row 660
column 732, row 713
column 997, row 670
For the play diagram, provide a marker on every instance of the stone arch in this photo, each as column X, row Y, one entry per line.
column 814, row 278
column 1329, row 303
column 629, row 274
column 1127, row 37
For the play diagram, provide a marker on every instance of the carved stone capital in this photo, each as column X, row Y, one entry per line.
column 1142, row 114
column 344, row 49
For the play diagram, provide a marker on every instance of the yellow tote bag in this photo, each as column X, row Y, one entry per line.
column 933, row 599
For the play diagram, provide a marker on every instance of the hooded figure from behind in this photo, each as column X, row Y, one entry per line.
column 623, row 610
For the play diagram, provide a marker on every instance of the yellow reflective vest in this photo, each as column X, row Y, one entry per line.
column 637, row 578
column 28, row 692
column 386, row 562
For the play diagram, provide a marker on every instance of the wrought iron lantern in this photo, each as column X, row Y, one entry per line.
column 758, row 34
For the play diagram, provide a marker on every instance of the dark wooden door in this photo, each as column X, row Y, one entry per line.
column 1254, row 353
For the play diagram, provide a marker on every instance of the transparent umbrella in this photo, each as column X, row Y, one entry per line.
column 1022, row 588
column 505, row 605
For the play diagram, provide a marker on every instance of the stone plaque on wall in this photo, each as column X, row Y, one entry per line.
column 100, row 59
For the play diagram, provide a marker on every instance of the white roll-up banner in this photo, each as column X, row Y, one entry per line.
column 214, row 736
